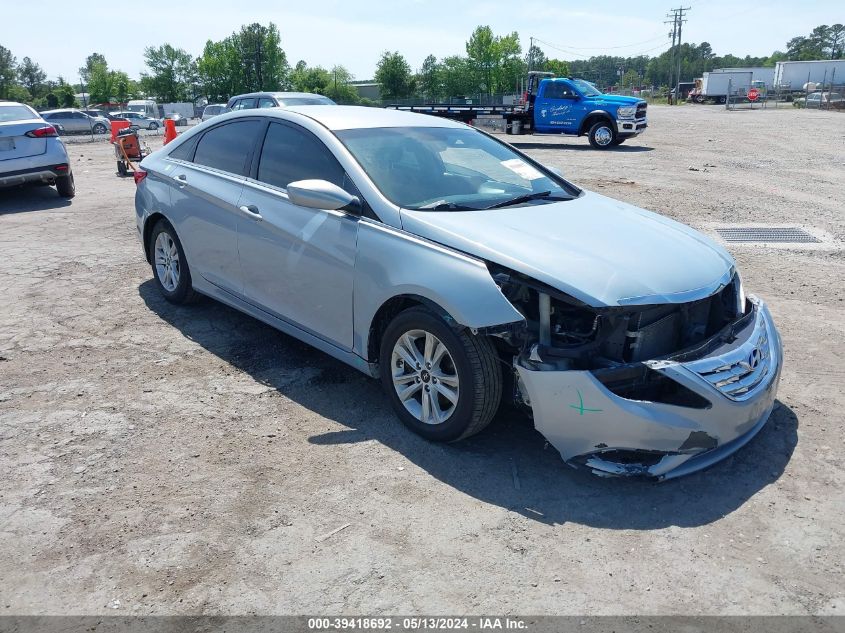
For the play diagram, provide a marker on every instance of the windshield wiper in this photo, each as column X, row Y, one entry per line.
column 520, row 199
column 447, row 206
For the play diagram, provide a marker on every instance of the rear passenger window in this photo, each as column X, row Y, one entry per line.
column 227, row 147
column 266, row 102
column 186, row 150
column 290, row 154
column 243, row 104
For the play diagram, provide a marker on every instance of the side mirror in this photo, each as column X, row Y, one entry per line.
column 320, row 194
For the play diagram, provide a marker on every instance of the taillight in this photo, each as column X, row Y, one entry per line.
column 139, row 175
column 42, row 132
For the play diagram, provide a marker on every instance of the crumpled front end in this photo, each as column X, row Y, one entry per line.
column 660, row 418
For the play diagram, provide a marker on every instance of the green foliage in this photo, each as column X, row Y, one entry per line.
column 264, row 65
column 394, row 75
column 8, row 71
column 31, row 76
column 16, row 92
column 825, row 42
column 495, row 60
column 173, row 72
column 429, row 79
column 249, row 60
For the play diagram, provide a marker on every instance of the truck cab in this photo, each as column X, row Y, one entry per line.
column 576, row 107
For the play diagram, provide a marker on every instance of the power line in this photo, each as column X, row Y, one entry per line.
column 600, row 48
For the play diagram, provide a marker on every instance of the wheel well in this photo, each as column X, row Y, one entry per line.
column 390, row 309
column 594, row 118
column 149, row 225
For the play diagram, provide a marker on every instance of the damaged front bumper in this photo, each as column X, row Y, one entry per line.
column 734, row 384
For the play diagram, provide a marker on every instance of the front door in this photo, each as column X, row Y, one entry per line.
column 298, row 263
column 558, row 108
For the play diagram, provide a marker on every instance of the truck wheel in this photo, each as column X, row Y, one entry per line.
column 602, row 135
column 618, row 141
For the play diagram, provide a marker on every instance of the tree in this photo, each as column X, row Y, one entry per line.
column 100, row 84
column 310, row 79
column 339, row 88
column 457, row 77
column 428, row 78
column 482, row 54
column 535, row 58
column 394, row 76
column 558, row 67
column 92, row 60
column 263, row 63
column 217, row 70
column 173, row 73
column 31, row 76
column 8, row 71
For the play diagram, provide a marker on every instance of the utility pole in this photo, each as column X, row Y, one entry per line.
column 674, row 34
column 531, row 55
column 677, row 27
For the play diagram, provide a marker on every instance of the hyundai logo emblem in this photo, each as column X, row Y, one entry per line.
column 754, row 358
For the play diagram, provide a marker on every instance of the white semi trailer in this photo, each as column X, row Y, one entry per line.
column 765, row 74
column 794, row 75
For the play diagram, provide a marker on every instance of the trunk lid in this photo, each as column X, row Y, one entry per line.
column 15, row 144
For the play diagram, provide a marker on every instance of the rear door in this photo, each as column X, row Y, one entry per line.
column 206, row 182
column 15, row 122
column 298, row 263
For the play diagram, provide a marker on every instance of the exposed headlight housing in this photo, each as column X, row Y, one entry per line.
column 626, row 112
column 740, row 295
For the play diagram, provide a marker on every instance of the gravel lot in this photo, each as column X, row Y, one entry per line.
column 166, row 460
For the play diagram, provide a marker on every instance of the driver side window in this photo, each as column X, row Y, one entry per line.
column 558, row 90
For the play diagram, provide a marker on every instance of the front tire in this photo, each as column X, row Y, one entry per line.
column 444, row 384
column 619, row 140
column 65, row 186
column 170, row 267
column 602, row 135
column 153, row 126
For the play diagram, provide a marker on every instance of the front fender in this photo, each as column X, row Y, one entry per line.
column 392, row 263
column 591, row 117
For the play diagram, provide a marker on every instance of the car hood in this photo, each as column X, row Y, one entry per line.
column 616, row 99
column 596, row 249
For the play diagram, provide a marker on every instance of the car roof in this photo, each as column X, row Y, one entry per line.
column 61, row 110
column 280, row 95
column 354, row 117
column 12, row 103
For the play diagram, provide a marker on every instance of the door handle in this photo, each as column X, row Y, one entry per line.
column 252, row 211
column 182, row 179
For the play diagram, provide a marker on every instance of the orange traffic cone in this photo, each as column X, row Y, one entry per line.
column 169, row 130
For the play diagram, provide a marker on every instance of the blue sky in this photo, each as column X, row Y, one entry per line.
column 354, row 33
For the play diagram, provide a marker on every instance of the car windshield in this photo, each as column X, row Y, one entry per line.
column 450, row 169
column 586, row 88
column 15, row 113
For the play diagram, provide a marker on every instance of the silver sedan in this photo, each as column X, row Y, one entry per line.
column 31, row 150
column 461, row 273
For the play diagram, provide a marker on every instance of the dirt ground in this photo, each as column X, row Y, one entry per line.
column 168, row 460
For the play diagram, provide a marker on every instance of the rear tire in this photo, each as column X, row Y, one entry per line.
column 153, row 126
column 602, row 135
column 462, row 381
column 100, row 129
column 65, row 186
column 170, row 267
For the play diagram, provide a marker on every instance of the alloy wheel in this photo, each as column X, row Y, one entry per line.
column 425, row 377
column 167, row 261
